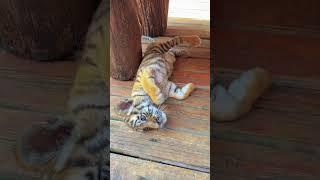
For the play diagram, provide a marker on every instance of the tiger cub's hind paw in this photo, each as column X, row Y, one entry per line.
column 187, row 89
column 232, row 103
column 180, row 52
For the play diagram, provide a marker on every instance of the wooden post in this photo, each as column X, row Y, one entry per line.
column 44, row 30
column 125, row 40
column 153, row 16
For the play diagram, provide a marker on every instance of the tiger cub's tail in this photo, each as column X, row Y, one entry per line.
column 164, row 47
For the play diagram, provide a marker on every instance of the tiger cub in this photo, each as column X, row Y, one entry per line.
column 232, row 103
column 76, row 146
column 152, row 87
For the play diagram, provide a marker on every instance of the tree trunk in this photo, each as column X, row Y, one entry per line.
column 153, row 16
column 44, row 30
column 125, row 39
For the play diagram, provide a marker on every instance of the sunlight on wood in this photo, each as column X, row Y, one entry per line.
column 195, row 9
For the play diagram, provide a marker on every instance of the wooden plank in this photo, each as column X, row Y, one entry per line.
column 188, row 26
column 64, row 68
column 193, row 70
column 281, row 54
column 34, row 86
column 235, row 155
column 201, row 24
column 124, row 167
column 31, row 93
column 178, row 148
column 298, row 14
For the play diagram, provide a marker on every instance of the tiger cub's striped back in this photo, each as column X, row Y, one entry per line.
column 77, row 146
column 152, row 87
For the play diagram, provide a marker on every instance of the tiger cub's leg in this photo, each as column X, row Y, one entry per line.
column 231, row 103
column 149, row 85
column 179, row 93
column 180, row 52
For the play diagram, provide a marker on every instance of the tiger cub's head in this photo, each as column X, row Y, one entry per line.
column 148, row 118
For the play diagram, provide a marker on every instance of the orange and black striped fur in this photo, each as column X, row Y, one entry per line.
column 152, row 87
column 76, row 146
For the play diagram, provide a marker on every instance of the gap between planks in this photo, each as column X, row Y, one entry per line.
column 125, row 167
column 168, row 163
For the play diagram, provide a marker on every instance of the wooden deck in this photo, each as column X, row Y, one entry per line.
column 182, row 149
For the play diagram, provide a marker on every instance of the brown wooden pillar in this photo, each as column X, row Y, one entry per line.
column 153, row 16
column 44, row 30
column 125, row 39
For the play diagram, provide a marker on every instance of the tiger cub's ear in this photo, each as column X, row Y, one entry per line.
column 124, row 107
column 39, row 145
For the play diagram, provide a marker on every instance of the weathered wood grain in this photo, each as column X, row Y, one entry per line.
column 285, row 41
column 188, row 26
column 178, row 148
column 59, row 69
column 284, row 13
column 124, row 167
column 251, row 160
column 152, row 16
column 125, row 35
column 281, row 54
column 34, row 86
column 44, row 30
